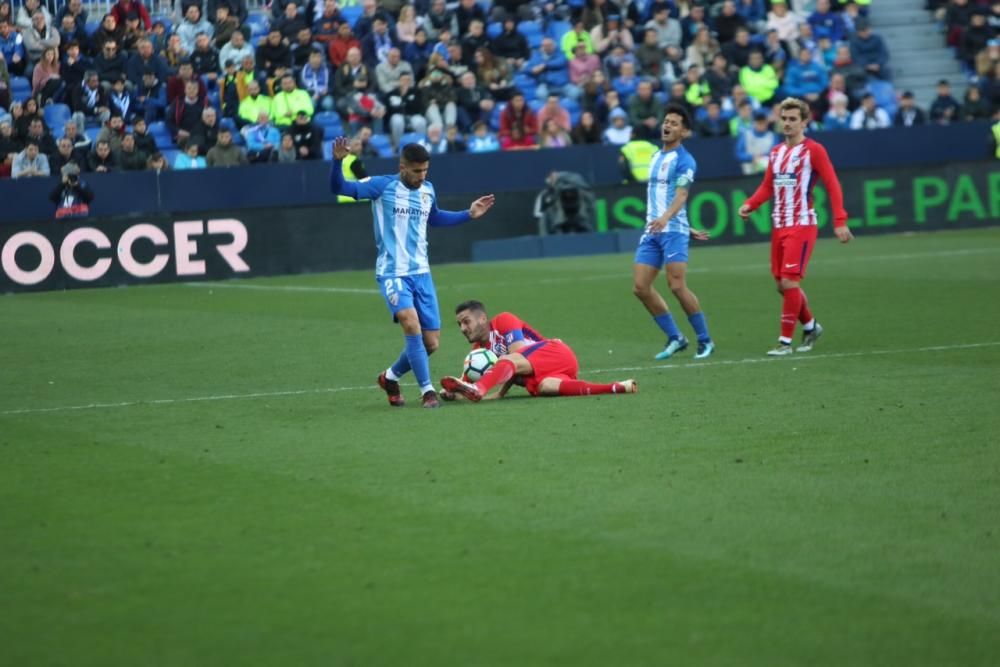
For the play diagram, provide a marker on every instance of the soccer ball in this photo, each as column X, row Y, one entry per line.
column 477, row 363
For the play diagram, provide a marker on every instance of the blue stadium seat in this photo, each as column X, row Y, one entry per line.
column 885, row 95
column 532, row 32
column 328, row 150
column 91, row 27
column 351, row 13
column 495, row 116
column 56, row 116
column 410, row 138
column 525, row 83
column 167, row 23
column 556, row 30
column 228, row 123
column 258, row 23
column 170, row 154
column 536, row 105
column 330, row 122
column 20, row 84
column 92, row 133
column 382, row 145
column 494, row 29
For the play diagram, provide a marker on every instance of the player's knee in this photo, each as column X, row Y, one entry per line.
column 641, row 291
column 677, row 286
column 549, row 387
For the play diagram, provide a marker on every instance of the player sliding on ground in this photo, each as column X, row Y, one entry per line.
column 403, row 205
column 545, row 366
column 664, row 243
column 788, row 182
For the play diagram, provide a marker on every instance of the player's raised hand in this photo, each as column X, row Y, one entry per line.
column 341, row 148
column 481, row 206
column 745, row 211
column 700, row 234
column 844, row 234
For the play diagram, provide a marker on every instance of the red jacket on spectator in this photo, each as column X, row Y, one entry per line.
column 175, row 88
column 527, row 120
column 339, row 47
column 123, row 8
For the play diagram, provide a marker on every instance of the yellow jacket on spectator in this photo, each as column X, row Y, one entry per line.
column 285, row 106
column 250, row 108
column 759, row 84
column 996, row 139
column 696, row 93
column 345, row 168
column 570, row 40
column 639, row 155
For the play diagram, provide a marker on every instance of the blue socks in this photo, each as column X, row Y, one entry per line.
column 416, row 353
column 700, row 327
column 401, row 366
column 667, row 324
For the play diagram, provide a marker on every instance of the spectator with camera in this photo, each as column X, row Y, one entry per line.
column 72, row 196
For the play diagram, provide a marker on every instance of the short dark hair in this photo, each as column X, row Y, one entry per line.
column 678, row 110
column 471, row 304
column 415, row 154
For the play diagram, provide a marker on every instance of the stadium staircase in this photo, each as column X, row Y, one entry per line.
column 918, row 56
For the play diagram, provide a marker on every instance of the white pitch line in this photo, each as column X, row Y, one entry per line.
column 624, row 274
column 622, row 369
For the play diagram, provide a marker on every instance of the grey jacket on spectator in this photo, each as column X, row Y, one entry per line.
column 388, row 75
column 22, row 163
column 35, row 43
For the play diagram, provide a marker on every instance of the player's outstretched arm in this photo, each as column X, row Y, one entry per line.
column 764, row 192
column 338, row 186
column 481, row 206
column 440, row 218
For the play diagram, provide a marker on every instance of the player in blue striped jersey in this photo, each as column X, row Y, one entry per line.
column 403, row 205
column 664, row 243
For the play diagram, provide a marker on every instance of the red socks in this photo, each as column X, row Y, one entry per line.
column 793, row 304
column 805, row 315
column 581, row 388
column 499, row 374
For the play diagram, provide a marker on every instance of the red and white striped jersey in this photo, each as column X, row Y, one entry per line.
column 788, row 183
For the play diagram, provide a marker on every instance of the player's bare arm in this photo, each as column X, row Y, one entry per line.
column 680, row 200
column 745, row 211
column 479, row 207
column 843, row 234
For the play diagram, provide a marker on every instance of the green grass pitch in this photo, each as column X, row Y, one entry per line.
column 206, row 474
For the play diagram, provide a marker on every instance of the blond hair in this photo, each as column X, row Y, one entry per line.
column 795, row 103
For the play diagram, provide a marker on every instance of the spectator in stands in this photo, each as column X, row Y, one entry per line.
column 472, row 42
column 273, row 54
column 288, row 101
column 10, row 143
column 29, row 162
column 71, row 31
column 315, row 78
column 144, row 141
column 404, row 107
column 619, row 132
column 586, row 131
column 204, row 58
column 648, row 57
column 206, row 132
column 189, row 158
column 494, row 74
column 110, row 64
column 754, row 12
column 158, row 36
column 341, row 43
column 712, row 123
column 577, row 35
column 439, row 95
column 727, row 21
column 301, row 49
column 308, row 137
column 290, row 22
column 90, row 101
column 517, row 141
column 838, row 117
column 869, row 116
column 945, row 108
column 806, row 79
column 869, row 51
column 345, row 81
column 66, row 153
column 668, row 29
column 827, row 22
column 124, row 8
column 26, row 14
column 759, row 80
column 174, row 54
column 38, row 37
column 517, row 114
column 225, row 26
column 775, row 52
column 237, row 49
column 38, row 134
column 691, row 23
column 120, row 100
column 237, row 8
column 974, row 107
column 375, row 46
column 24, row 115
column 76, row 11
column 184, row 113
column 718, row 78
column 102, row 160
column 46, row 84
column 406, row 25
column 225, row 153
column 129, row 157
column 473, row 101
column 364, row 109
column 645, row 113
column 112, row 133
column 552, row 135
column 286, row 150
column 193, row 24
column 551, row 71
column 157, row 163
column 738, row 51
column 80, row 140
column 254, row 104
column 467, row 12
column 975, row 39
column 553, row 110
column 784, row 21
column 387, row 73
column 610, row 102
column 510, row 44
column 908, row 114
column 434, row 140
column 143, row 61
column 607, row 35
column 177, row 84
column 482, row 140
column 753, row 147
column 439, row 18
column 958, row 17
column 150, row 98
column 697, row 90
column 627, row 81
column 702, row 49
column 73, row 67
column 109, row 31
column 742, row 121
column 246, row 73
column 852, row 74
column 262, row 138
column 12, row 49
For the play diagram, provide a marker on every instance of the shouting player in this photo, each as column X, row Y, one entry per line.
column 403, row 206
column 664, row 243
column 545, row 366
column 788, row 182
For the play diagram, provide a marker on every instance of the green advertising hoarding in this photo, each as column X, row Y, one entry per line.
column 905, row 199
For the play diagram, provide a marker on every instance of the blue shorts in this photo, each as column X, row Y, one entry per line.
column 412, row 292
column 663, row 248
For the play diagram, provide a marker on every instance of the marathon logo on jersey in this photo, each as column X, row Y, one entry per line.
column 410, row 211
column 785, row 180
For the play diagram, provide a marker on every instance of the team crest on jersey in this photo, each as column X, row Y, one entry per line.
column 394, row 299
column 786, row 180
column 425, row 198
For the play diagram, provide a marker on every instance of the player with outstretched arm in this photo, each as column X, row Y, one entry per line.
column 403, row 205
column 545, row 366
column 788, row 182
column 664, row 242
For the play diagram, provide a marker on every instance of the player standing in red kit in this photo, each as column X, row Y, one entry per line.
column 788, row 183
column 545, row 366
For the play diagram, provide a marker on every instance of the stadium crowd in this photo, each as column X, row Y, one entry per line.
column 212, row 84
